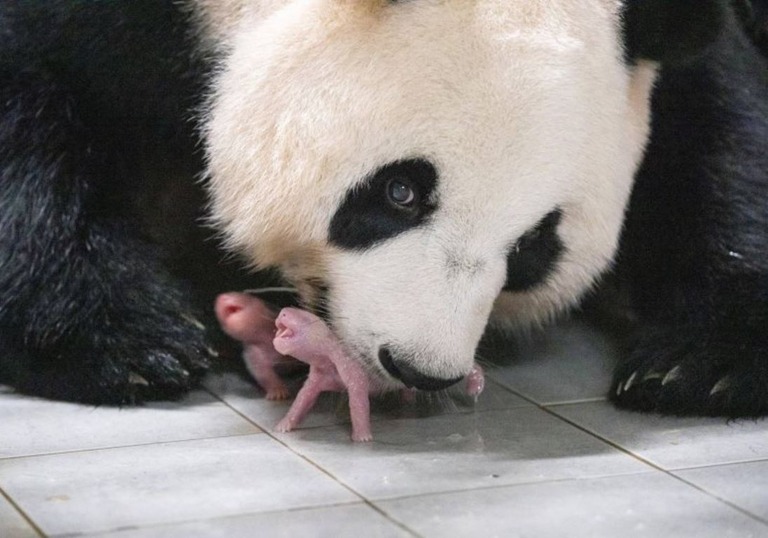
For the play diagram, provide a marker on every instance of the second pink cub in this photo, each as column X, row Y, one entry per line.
column 268, row 340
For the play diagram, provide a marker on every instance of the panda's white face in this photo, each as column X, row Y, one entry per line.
column 402, row 162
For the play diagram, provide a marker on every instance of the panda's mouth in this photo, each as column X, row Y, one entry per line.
column 314, row 296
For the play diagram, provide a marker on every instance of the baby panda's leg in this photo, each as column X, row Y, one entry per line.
column 303, row 404
column 87, row 312
column 360, row 408
column 695, row 247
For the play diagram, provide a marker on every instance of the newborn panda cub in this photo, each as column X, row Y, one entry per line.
column 267, row 341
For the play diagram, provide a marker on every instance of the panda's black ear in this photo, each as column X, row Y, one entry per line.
column 671, row 31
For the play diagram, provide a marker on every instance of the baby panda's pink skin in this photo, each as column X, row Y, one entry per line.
column 306, row 337
column 248, row 320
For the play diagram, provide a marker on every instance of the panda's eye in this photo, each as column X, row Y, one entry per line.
column 400, row 192
column 395, row 198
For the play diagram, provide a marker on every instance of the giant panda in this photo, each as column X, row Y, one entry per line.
column 417, row 169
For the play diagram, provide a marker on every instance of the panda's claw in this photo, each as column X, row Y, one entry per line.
column 653, row 375
column 673, row 375
column 675, row 372
column 723, row 385
column 137, row 379
column 630, row 381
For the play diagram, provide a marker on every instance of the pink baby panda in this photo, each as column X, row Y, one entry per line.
column 269, row 340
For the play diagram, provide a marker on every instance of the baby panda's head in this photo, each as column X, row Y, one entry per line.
column 404, row 162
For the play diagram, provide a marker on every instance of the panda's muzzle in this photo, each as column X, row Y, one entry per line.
column 411, row 377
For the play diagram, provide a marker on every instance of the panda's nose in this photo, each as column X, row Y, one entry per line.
column 410, row 376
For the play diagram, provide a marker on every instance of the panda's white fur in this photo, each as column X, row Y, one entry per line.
column 523, row 107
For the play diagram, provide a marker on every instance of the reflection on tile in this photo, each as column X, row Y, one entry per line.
column 12, row 525
column 165, row 483
column 640, row 505
column 32, row 426
column 332, row 408
column 744, row 484
column 351, row 521
column 569, row 362
column 443, row 453
column 673, row 442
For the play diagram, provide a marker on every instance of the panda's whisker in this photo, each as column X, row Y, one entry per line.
column 482, row 360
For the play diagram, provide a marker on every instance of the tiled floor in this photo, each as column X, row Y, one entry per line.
column 541, row 454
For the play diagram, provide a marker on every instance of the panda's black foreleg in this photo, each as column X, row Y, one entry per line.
column 695, row 244
column 87, row 312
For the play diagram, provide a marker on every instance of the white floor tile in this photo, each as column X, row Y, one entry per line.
column 31, row 426
column 332, row 408
column 351, row 521
column 652, row 505
column 12, row 525
column 463, row 451
column 570, row 362
column 743, row 484
column 166, row 483
column 673, row 442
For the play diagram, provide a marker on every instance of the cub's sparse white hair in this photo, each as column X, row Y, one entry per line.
column 521, row 106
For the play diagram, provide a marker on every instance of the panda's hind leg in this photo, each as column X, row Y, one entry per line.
column 87, row 312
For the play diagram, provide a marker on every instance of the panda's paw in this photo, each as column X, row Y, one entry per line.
column 154, row 356
column 165, row 356
column 678, row 371
column 164, row 365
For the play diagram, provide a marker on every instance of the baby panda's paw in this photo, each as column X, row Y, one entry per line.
column 362, row 436
column 286, row 425
column 687, row 371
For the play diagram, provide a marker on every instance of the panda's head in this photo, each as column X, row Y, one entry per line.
column 403, row 162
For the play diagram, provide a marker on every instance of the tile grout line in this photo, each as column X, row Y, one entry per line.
column 713, row 465
column 4, row 459
column 721, row 499
column 314, row 464
column 656, row 466
column 171, row 524
column 22, row 513
column 505, row 486
column 547, row 409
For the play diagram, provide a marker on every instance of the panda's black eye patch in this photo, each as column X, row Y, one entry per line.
column 396, row 198
column 535, row 255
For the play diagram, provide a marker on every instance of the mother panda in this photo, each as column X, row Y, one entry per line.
column 413, row 168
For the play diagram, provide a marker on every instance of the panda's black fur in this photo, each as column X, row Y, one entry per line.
column 103, row 268
column 695, row 243
column 96, row 142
